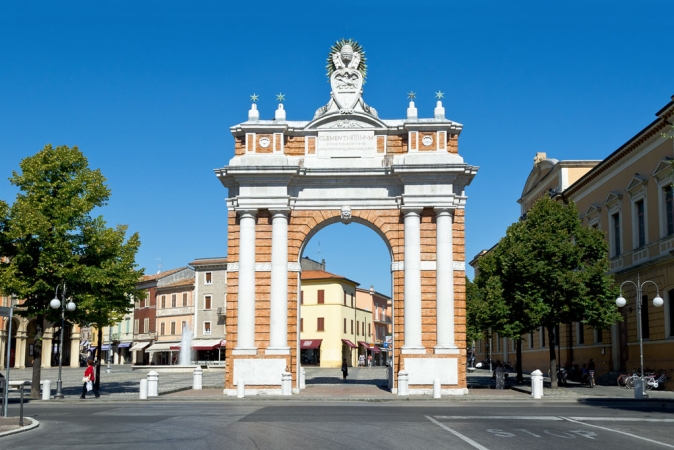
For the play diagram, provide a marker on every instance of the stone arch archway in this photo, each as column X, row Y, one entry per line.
column 402, row 178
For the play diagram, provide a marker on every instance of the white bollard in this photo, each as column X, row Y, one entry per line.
column 143, row 389
column 436, row 388
column 403, row 383
column 153, row 384
column 240, row 389
column 303, row 378
column 286, row 383
column 639, row 389
column 198, row 378
column 46, row 390
column 537, row 384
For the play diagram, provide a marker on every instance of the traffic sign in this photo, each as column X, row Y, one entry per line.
column 5, row 311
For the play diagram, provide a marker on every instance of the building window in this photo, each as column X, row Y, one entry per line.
column 357, row 327
column 183, row 326
column 320, row 326
column 369, row 330
column 351, row 326
column 598, row 335
column 321, row 296
column 345, row 319
column 184, row 298
column 163, row 302
column 135, row 326
column 641, row 224
column 669, row 211
column 173, row 328
column 208, row 278
column 146, row 325
column 173, row 301
column 580, row 331
column 301, row 325
column 147, row 300
column 362, row 327
column 162, row 329
column 645, row 323
column 207, row 302
column 301, row 297
column 127, row 325
column 207, row 328
column 615, row 227
column 352, row 300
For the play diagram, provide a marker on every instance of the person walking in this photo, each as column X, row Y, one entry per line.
column 89, row 377
column 345, row 369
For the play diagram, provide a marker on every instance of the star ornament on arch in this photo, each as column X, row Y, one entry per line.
column 439, row 95
column 411, row 95
column 280, row 97
column 254, row 98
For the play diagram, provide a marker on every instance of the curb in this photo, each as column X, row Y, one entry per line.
column 33, row 425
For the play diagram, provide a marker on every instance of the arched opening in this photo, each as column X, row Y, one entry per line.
column 345, row 310
column 13, row 343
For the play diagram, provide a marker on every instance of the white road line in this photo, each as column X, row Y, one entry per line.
column 498, row 417
column 617, row 431
column 457, row 434
column 620, row 419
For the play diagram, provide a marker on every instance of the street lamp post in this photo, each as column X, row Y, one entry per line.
column 657, row 302
column 70, row 306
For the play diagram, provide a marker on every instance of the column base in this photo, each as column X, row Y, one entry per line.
column 413, row 350
column 446, row 350
column 277, row 351
column 245, row 351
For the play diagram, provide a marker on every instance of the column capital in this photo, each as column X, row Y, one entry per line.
column 407, row 210
column 276, row 212
column 443, row 210
column 249, row 212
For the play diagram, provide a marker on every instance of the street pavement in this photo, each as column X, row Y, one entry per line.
column 242, row 424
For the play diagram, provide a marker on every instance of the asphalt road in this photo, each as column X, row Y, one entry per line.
column 358, row 425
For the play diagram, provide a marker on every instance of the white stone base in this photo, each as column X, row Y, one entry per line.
column 446, row 350
column 253, row 392
column 413, row 351
column 456, row 391
column 277, row 351
column 426, row 370
column 259, row 372
column 244, row 351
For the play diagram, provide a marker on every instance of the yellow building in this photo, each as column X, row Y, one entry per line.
column 628, row 195
column 332, row 327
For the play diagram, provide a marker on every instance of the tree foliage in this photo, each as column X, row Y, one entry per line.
column 547, row 270
column 48, row 237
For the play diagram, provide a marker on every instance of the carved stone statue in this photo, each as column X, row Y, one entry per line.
column 347, row 70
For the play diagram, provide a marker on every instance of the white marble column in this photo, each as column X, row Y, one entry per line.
column 20, row 353
column 47, row 339
column 412, row 290
column 444, row 279
column 245, row 344
column 3, row 348
column 278, row 333
column 74, row 348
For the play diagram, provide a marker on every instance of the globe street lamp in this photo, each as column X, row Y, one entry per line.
column 657, row 302
column 70, row 306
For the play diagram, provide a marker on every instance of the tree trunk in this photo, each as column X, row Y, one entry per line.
column 553, row 356
column 518, row 362
column 98, row 363
column 37, row 358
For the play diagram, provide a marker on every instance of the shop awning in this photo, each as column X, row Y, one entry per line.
column 84, row 343
column 349, row 343
column 202, row 344
column 364, row 344
column 375, row 349
column 160, row 347
column 104, row 348
column 308, row 344
column 124, row 345
column 139, row 346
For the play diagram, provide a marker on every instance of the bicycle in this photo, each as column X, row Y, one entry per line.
column 653, row 383
column 626, row 380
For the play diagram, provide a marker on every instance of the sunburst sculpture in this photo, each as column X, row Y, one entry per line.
column 336, row 50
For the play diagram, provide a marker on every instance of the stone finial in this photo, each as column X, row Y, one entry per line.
column 439, row 111
column 253, row 114
column 412, row 111
column 280, row 113
column 540, row 156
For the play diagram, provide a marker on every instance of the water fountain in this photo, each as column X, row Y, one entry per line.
column 185, row 358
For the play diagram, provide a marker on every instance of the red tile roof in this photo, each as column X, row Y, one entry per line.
column 323, row 275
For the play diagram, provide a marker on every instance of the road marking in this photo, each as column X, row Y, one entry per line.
column 620, row 419
column 498, row 417
column 617, row 431
column 457, row 434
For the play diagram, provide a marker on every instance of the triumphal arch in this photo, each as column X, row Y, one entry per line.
column 402, row 178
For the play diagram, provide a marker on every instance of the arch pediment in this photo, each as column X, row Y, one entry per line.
column 340, row 121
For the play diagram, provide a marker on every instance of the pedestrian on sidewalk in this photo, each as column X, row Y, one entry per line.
column 345, row 369
column 89, row 378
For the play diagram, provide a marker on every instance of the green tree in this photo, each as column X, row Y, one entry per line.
column 550, row 270
column 49, row 237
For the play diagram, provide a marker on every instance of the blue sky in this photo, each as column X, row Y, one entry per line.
column 148, row 91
